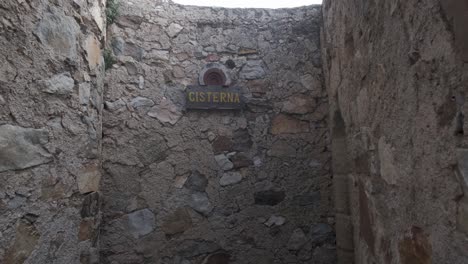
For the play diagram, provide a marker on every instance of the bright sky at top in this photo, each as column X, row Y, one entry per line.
column 250, row 3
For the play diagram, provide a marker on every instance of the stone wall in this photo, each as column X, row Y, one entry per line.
column 185, row 186
column 397, row 80
column 51, row 83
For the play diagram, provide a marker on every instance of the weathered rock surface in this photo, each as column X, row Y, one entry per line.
column 253, row 70
column 283, row 124
column 22, row 148
column 269, row 197
column 297, row 240
column 223, row 162
column 61, row 84
column 166, row 112
column 197, row 182
column 59, row 32
column 230, row 178
column 141, row 223
column 201, row 203
column 177, row 222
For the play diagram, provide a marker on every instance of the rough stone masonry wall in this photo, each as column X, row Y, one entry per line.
column 51, row 81
column 249, row 186
column 397, row 77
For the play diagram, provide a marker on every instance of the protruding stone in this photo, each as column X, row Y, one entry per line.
column 141, row 223
column 298, row 104
column 22, row 148
column 91, row 205
column 312, row 198
column 116, row 105
column 253, row 70
column 139, row 101
column 283, row 124
column 242, row 140
column 26, row 239
column 275, row 221
column 93, row 52
column 196, row 182
column 415, row 248
column 282, row 149
column 201, row 203
column 96, row 13
column 59, row 32
column 269, row 197
column 61, row 84
column 141, row 82
column 178, row 222
column 241, row 161
column 230, row 178
column 89, row 178
column 321, row 233
column 297, row 240
column 166, row 112
column 174, row 29
column 222, row 144
column 87, row 229
column 85, row 93
column 246, row 51
column 223, row 162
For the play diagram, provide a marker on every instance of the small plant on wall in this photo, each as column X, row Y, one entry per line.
column 112, row 11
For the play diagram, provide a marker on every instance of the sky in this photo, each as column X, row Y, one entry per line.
column 250, row 3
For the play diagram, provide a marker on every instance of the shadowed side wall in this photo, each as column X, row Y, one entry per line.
column 51, row 83
column 397, row 73
column 250, row 186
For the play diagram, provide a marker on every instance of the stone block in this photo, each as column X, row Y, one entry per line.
column 196, row 181
column 200, row 202
column 61, row 84
column 297, row 240
column 166, row 112
column 26, row 239
column 253, row 70
column 22, row 148
column 177, row 222
column 299, row 104
column 230, row 178
column 222, row 144
column 92, row 48
column 283, row 124
column 321, row 233
column 59, row 32
column 89, row 177
column 269, row 197
column 139, row 102
column 415, row 248
column 141, row 223
column 282, row 149
column 91, row 205
column 223, row 162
